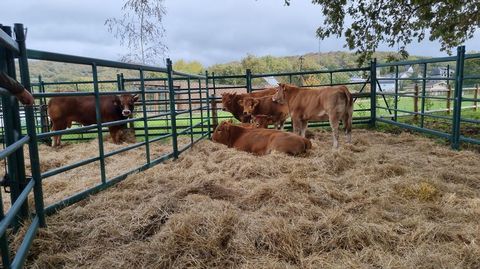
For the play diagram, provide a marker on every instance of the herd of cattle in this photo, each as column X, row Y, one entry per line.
column 256, row 111
column 273, row 106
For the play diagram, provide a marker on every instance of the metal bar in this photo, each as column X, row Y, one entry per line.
column 16, row 207
column 145, row 122
column 310, row 72
column 424, row 83
column 31, row 128
column 208, row 106
column 173, row 116
column 248, row 75
column 190, row 109
column 64, row 58
column 373, row 91
column 395, row 114
column 22, row 251
column 415, row 128
column 98, row 115
column 62, row 169
column 13, row 147
column 457, row 103
column 7, row 42
column 415, row 79
column 422, row 61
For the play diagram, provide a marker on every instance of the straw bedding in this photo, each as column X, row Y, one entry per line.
column 385, row 201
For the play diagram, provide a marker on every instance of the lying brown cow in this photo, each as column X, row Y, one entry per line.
column 266, row 106
column 332, row 103
column 230, row 102
column 259, row 141
column 64, row 110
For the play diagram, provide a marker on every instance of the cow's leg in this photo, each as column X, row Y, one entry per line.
column 57, row 126
column 115, row 133
column 282, row 125
column 297, row 126
column 304, row 128
column 334, row 122
column 347, row 124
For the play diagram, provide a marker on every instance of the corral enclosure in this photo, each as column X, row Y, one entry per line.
column 234, row 194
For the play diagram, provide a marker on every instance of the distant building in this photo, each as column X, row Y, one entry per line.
column 442, row 72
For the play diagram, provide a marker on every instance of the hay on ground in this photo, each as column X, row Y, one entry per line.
column 386, row 201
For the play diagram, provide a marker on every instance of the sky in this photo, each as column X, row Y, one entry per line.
column 209, row 31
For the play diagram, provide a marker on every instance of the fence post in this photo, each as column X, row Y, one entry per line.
column 214, row 104
column 415, row 101
column 208, row 105
column 98, row 116
column 449, row 95
column 475, row 96
column 31, row 128
column 424, row 85
column 248, row 75
column 373, row 92
column 12, row 133
column 145, row 120
column 173, row 112
column 457, row 102
column 395, row 111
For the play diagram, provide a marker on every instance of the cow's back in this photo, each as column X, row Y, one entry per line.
column 264, row 141
column 81, row 109
column 316, row 104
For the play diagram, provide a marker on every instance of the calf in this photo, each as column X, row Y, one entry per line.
column 261, row 121
column 332, row 103
column 64, row 110
column 265, row 106
column 230, row 102
column 259, row 141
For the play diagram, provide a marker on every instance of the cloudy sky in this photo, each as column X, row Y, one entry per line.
column 210, row 31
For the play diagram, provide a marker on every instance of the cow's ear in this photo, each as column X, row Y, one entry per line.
column 135, row 97
column 240, row 102
column 255, row 102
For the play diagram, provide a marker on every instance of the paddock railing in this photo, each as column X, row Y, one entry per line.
column 158, row 111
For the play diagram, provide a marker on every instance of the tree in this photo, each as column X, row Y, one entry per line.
column 398, row 22
column 140, row 29
column 193, row 67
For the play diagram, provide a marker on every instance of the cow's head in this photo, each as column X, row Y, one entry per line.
column 262, row 121
column 279, row 96
column 222, row 133
column 126, row 103
column 249, row 104
column 227, row 101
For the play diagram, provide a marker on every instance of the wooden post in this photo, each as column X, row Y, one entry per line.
column 475, row 96
column 213, row 102
column 449, row 95
column 415, row 101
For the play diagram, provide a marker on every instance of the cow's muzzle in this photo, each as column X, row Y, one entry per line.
column 126, row 112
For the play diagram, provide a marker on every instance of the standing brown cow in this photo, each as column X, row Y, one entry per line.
column 259, row 141
column 266, row 106
column 64, row 110
column 230, row 102
column 332, row 103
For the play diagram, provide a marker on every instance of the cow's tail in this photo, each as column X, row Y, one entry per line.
column 347, row 118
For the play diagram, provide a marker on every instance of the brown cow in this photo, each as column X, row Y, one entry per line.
column 262, row 121
column 259, row 141
column 230, row 102
column 64, row 110
column 333, row 103
column 266, row 106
